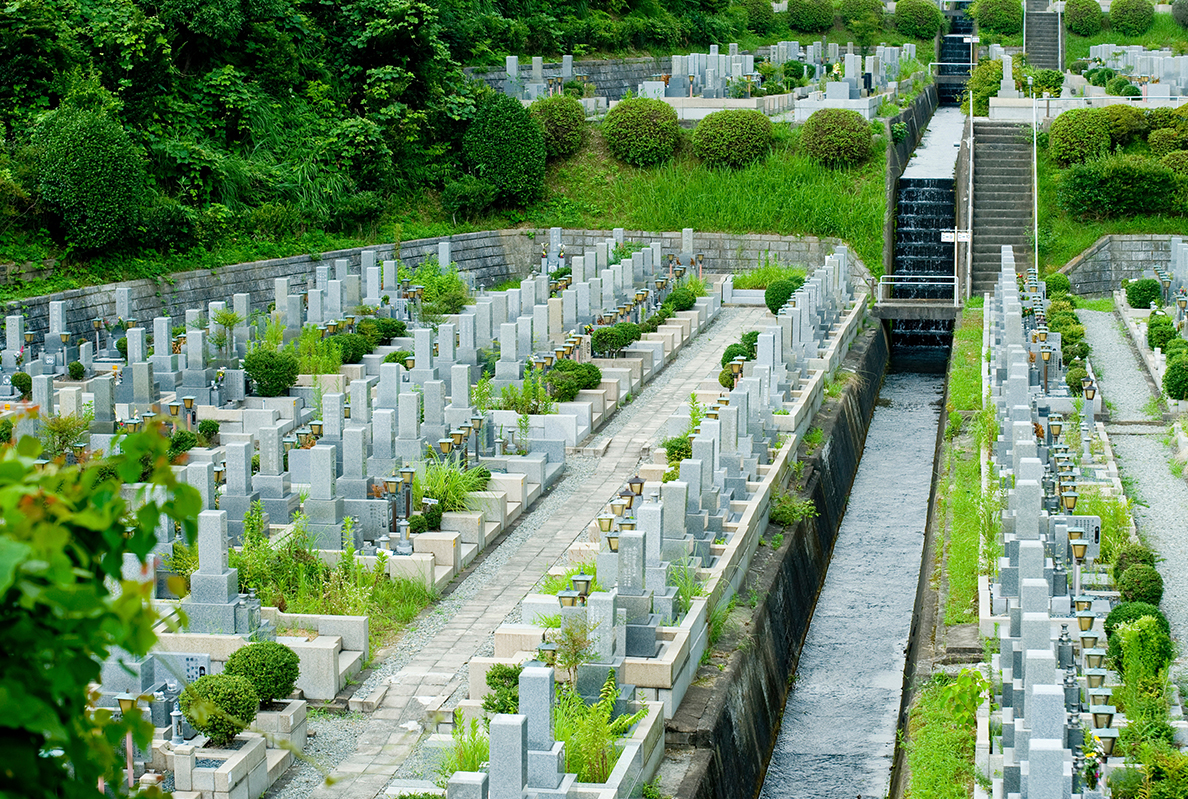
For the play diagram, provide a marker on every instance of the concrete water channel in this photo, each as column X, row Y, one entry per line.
column 838, row 733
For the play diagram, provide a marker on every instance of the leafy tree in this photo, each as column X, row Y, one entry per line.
column 506, row 149
column 65, row 536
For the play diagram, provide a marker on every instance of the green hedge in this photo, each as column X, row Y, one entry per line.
column 642, row 132
column 1132, row 17
column 837, row 137
column 1177, row 162
column 733, row 137
column 1082, row 17
column 1160, row 330
column 562, row 121
column 1141, row 583
column 506, row 150
column 271, row 668
column 920, row 19
column 812, row 16
column 1120, row 185
column 220, row 706
column 1141, row 293
column 1078, row 135
column 777, row 294
column 273, row 372
column 998, row 16
column 1125, row 123
column 1175, row 379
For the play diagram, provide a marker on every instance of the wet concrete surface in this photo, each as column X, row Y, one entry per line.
column 838, row 733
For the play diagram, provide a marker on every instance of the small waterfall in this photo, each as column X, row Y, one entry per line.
column 955, row 53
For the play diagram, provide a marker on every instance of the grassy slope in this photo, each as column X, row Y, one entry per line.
column 786, row 194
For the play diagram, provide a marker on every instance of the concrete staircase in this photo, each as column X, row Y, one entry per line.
column 1002, row 203
column 1043, row 37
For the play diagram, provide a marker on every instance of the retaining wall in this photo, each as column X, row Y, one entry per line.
column 1101, row 268
column 489, row 257
column 722, row 735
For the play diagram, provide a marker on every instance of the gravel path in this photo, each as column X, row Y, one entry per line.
column 1123, row 383
column 1144, row 458
column 332, row 740
column 1161, row 522
column 340, row 735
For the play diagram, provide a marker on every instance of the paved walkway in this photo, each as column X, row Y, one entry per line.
column 436, row 671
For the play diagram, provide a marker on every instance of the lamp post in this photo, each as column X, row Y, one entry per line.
column 127, row 703
column 476, row 424
column 1046, row 355
column 97, row 323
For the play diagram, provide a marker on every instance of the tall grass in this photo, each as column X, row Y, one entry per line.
column 788, row 194
column 1115, row 516
column 965, row 370
column 1164, row 33
column 470, row 749
column 590, row 731
column 767, row 272
column 967, row 517
column 940, row 749
column 553, row 583
column 447, row 482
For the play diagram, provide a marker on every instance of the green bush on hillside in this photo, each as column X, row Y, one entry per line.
column 1117, row 86
column 562, row 122
column 837, row 137
column 1141, row 293
column 1167, row 140
column 761, row 16
column 920, row 19
column 733, row 137
column 1175, row 379
column 1125, row 122
column 1121, row 185
column 505, row 149
column 642, row 132
column 811, row 16
column 1180, row 13
column 91, row 176
column 1078, row 135
column 998, row 16
column 1177, row 162
column 1132, row 17
column 1058, row 283
column 1083, row 17
column 858, row 11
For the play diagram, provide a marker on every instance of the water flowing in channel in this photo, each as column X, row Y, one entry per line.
column 838, row 735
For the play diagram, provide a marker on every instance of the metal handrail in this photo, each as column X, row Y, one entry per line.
column 917, row 281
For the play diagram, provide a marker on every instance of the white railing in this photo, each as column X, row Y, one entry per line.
column 888, row 283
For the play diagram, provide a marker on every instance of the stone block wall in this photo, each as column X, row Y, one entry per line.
column 488, row 257
column 1101, row 268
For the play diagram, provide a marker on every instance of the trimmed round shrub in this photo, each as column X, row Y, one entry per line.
column 1082, row 17
column 271, row 668
column 589, row 375
column 1175, row 379
column 562, row 122
column 1121, row 185
column 1132, row 17
column 681, row 299
column 1175, row 347
column 1124, row 613
column 1078, row 135
column 1159, row 330
column 606, row 340
column 1158, row 118
column 1177, row 162
column 77, row 370
column 1130, row 90
column 417, row 524
column 852, row 11
column 777, row 294
column 761, row 16
column 1167, row 140
column 505, row 149
column 91, row 177
column 1073, row 378
column 642, row 132
column 563, row 386
column 1117, row 85
column 1131, row 555
column 1180, row 13
column 726, row 378
column 998, row 16
column 837, row 137
column 1141, row 293
column 220, row 706
column 920, row 19
column 351, row 346
column 676, row 449
column 732, row 138
column 733, row 351
column 272, row 371
column 629, row 331
column 1058, row 283
column 1141, row 583
column 1100, row 76
column 1126, row 123
column 812, row 16
column 23, row 382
